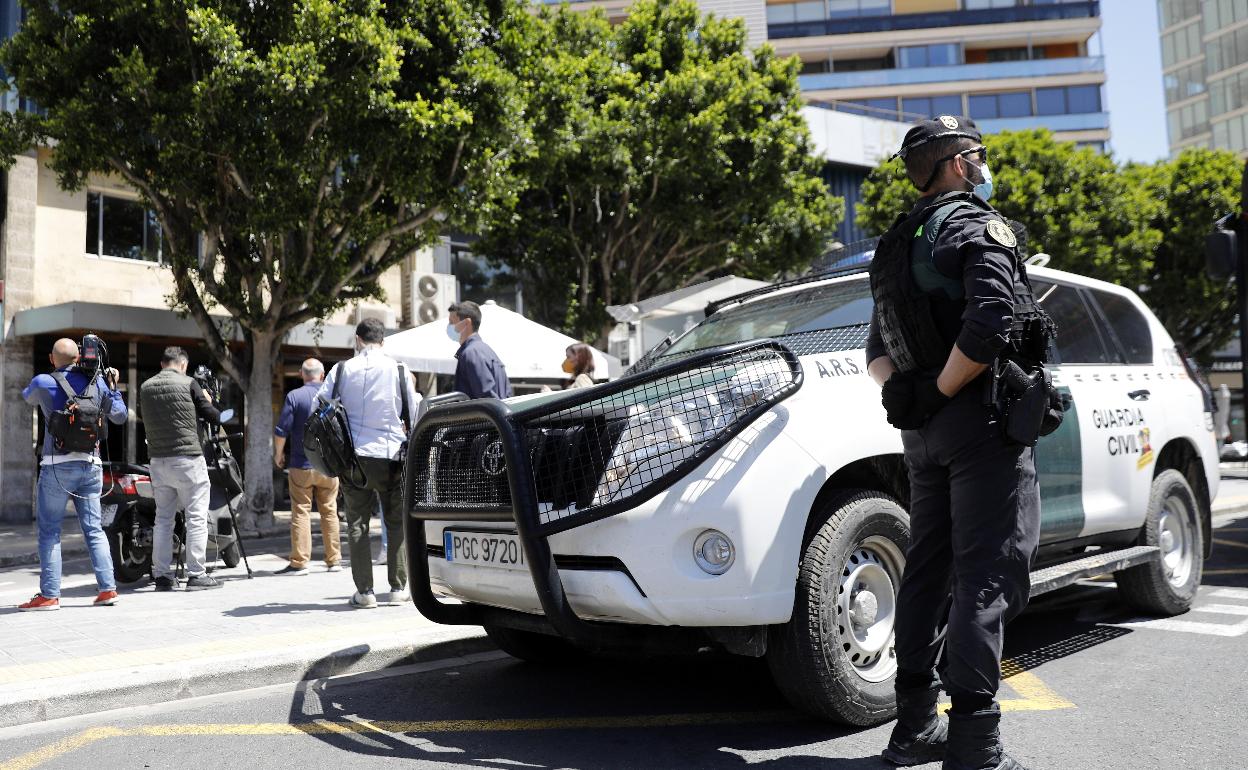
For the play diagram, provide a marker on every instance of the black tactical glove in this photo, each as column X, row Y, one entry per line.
column 897, row 396
column 928, row 400
column 910, row 400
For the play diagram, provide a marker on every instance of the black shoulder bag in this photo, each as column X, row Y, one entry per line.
column 327, row 437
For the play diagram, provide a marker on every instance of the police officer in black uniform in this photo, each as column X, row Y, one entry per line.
column 952, row 302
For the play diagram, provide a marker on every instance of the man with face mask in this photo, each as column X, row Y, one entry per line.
column 951, row 293
column 478, row 371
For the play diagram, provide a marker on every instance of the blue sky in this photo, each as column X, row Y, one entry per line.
column 1137, row 109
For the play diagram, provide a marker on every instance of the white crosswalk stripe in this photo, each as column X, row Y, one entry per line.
column 1203, row 606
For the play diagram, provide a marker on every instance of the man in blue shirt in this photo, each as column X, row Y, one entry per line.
column 479, row 373
column 66, row 475
column 305, row 482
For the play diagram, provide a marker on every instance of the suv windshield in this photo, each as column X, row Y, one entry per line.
column 842, row 305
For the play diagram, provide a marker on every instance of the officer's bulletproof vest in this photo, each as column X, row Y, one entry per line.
column 907, row 287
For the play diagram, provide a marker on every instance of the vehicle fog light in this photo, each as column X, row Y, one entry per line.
column 714, row 552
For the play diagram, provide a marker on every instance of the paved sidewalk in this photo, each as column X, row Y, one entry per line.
column 154, row 647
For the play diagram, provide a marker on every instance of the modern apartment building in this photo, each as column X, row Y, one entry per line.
column 1204, row 59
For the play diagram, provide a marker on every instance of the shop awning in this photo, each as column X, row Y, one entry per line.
column 105, row 319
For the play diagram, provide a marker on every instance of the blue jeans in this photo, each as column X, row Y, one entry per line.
column 58, row 484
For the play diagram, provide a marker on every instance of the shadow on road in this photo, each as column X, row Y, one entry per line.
column 694, row 712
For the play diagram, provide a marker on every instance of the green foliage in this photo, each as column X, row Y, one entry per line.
column 1141, row 226
column 292, row 150
column 665, row 154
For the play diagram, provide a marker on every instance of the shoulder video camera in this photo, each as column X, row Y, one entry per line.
column 93, row 359
column 208, row 381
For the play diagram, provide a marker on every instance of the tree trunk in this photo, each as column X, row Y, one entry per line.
column 258, row 456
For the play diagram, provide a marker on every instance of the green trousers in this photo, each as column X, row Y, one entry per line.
column 382, row 478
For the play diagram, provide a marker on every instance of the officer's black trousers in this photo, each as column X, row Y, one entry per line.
column 974, row 524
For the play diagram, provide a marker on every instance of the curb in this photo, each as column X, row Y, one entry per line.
column 42, row 700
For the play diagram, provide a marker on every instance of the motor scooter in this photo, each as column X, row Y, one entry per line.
column 128, row 510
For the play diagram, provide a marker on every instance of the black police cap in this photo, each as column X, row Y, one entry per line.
column 943, row 127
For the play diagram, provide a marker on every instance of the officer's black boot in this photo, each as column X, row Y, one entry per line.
column 919, row 735
column 975, row 742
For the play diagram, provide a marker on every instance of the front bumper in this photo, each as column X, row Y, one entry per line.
column 571, row 606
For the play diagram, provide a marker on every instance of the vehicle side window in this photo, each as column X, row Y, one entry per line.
column 1128, row 324
column 1078, row 340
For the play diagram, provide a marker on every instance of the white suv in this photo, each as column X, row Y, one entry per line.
column 741, row 490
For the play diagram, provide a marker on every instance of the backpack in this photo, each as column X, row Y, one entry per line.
column 77, row 426
column 327, row 439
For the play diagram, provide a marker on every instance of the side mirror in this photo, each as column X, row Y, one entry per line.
column 227, row 415
column 1222, row 250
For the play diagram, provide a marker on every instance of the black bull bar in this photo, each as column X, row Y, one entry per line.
column 524, row 511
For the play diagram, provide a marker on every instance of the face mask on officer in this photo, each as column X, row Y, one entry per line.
column 983, row 187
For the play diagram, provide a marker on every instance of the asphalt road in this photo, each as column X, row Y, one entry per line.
column 1090, row 686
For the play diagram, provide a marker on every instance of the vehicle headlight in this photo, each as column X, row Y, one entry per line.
column 660, row 436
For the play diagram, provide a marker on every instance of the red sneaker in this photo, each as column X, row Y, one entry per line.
column 40, row 603
column 106, row 599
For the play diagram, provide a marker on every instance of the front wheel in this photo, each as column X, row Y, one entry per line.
column 1167, row 586
column 835, row 658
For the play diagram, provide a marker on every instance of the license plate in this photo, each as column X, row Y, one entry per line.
column 487, row 549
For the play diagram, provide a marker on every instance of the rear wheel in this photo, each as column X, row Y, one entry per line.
column 131, row 563
column 835, row 657
column 533, row 647
column 1167, row 586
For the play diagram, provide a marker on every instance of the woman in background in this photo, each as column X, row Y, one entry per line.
column 579, row 363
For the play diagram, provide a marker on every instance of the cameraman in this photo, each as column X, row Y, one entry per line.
column 66, row 475
column 172, row 405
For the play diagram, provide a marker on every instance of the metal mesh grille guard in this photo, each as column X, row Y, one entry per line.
column 594, row 454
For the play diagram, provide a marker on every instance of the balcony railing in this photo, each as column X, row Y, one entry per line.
column 1035, row 68
column 902, row 21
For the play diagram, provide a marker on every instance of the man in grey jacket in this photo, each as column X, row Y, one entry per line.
column 172, row 404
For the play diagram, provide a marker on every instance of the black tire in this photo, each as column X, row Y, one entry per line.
column 811, row 657
column 533, row 647
column 129, row 566
column 1167, row 586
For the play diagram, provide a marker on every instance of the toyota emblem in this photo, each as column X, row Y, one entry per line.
column 493, row 461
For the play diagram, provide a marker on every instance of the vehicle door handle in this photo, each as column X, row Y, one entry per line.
column 1139, row 395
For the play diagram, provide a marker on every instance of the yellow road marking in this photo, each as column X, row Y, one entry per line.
column 1232, row 543
column 326, row 727
column 1035, row 694
column 1239, row 571
column 60, row 748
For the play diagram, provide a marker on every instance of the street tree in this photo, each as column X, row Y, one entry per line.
column 1140, row 226
column 291, row 150
column 666, row 153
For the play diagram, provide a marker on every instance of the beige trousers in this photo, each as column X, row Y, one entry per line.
column 304, row 484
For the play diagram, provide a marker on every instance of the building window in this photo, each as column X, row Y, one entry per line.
column 918, row 108
column 817, row 67
column 1228, row 94
column 1014, row 104
column 1185, row 83
column 118, row 227
column 884, row 62
column 1180, row 45
column 937, row 55
column 979, row 5
column 1220, row 14
column 1227, row 51
column 1068, row 100
column 1175, row 11
column 812, row 10
column 1187, row 122
column 849, row 9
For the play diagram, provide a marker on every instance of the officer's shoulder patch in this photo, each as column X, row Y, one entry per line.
column 1001, row 233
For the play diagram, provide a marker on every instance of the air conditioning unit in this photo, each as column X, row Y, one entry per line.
column 428, row 296
column 383, row 313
